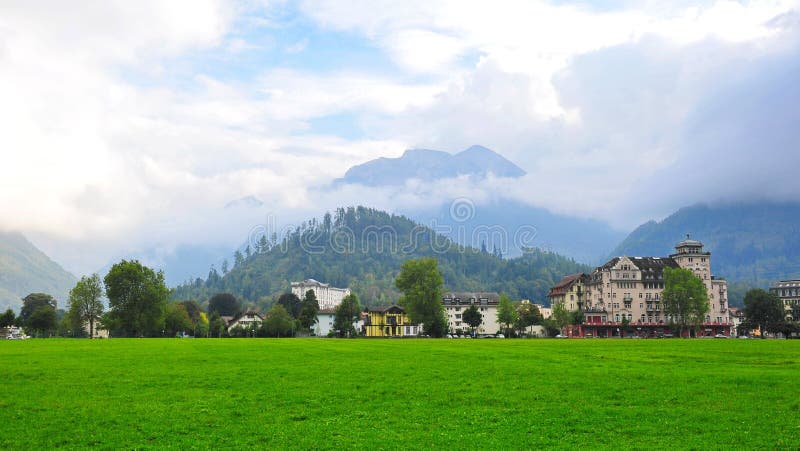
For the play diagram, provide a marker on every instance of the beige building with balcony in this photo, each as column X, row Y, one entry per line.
column 627, row 291
column 456, row 303
column 789, row 293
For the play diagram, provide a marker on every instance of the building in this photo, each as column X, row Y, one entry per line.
column 623, row 296
column 324, row 325
column 789, row 293
column 569, row 291
column 248, row 320
column 325, row 321
column 737, row 318
column 328, row 297
column 391, row 321
column 546, row 312
column 455, row 304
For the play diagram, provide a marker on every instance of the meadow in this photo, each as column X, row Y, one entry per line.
column 325, row 393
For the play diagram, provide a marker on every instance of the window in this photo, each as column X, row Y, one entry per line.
column 641, row 305
column 616, row 317
column 640, row 295
column 458, row 316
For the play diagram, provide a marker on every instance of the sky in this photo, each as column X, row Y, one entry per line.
column 127, row 127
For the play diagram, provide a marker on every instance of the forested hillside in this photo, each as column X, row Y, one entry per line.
column 363, row 249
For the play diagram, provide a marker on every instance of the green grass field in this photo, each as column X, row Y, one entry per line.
column 318, row 393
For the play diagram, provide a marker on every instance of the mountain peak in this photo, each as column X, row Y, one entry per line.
column 429, row 165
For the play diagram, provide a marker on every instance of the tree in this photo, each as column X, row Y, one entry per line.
column 347, row 313
column 225, row 304
column 85, row 305
column 684, row 297
column 308, row 310
column 42, row 320
column 764, row 309
column 291, row 303
column 8, row 318
column 32, row 302
column 473, row 317
column 277, row 322
column 506, row 314
column 202, row 327
column 421, row 284
column 216, row 325
column 137, row 296
column 176, row 320
column 527, row 315
column 224, row 267
column 193, row 310
column 560, row 316
column 238, row 259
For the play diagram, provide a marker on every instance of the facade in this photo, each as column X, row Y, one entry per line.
column 569, row 291
column 737, row 318
column 546, row 312
column 99, row 332
column 324, row 325
column 455, row 304
column 789, row 293
column 328, row 297
column 623, row 297
column 389, row 321
column 248, row 320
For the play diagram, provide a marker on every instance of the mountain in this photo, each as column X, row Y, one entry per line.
column 429, row 165
column 24, row 269
column 583, row 239
column 501, row 222
column 752, row 244
column 363, row 249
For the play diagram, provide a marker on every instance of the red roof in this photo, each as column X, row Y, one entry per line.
column 562, row 286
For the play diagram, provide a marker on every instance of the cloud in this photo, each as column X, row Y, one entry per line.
column 131, row 125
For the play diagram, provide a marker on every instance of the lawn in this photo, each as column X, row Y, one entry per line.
column 321, row 393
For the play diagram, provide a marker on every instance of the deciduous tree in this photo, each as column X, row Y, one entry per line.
column 506, row 314
column 684, row 297
column 308, row 310
column 347, row 313
column 8, row 318
column 137, row 296
column 473, row 317
column 764, row 309
column 177, row 320
column 32, row 302
column 291, row 303
column 85, row 304
column 421, row 284
column 42, row 321
column 277, row 322
column 225, row 304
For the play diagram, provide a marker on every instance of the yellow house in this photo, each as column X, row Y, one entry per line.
column 389, row 321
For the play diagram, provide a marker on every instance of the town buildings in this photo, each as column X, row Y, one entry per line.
column 623, row 296
column 789, row 293
column 248, row 320
column 328, row 297
column 455, row 304
column 391, row 321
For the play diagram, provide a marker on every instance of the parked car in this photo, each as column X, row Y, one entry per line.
column 500, row 336
column 720, row 336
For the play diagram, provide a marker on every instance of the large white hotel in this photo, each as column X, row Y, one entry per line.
column 328, row 297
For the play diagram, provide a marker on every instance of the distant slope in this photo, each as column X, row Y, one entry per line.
column 24, row 269
column 752, row 243
column 363, row 249
column 588, row 241
column 428, row 165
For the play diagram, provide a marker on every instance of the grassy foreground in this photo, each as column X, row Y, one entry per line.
column 318, row 393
